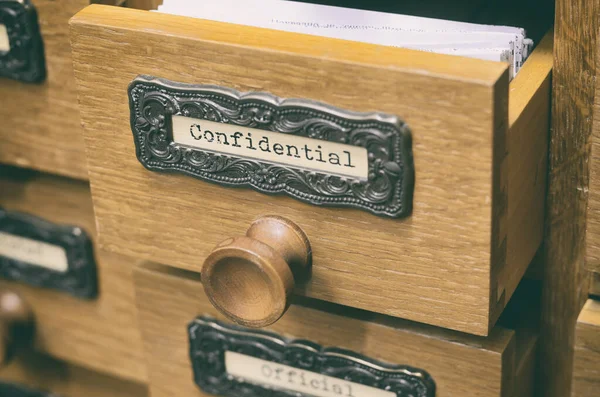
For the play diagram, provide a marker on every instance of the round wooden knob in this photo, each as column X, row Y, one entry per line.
column 250, row 279
column 16, row 324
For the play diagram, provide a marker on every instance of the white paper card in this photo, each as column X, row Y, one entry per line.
column 427, row 34
column 277, row 376
column 34, row 252
column 4, row 42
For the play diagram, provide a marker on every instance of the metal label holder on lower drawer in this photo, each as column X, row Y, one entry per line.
column 21, row 46
column 43, row 254
column 301, row 148
column 232, row 361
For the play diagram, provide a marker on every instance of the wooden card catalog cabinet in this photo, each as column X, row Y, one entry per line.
column 82, row 299
column 325, row 351
column 418, row 179
column 592, row 260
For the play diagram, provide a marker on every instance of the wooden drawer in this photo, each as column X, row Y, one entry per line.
column 39, row 372
column 100, row 333
column 586, row 367
column 479, row 146
column 40, row 125
column 169, row 300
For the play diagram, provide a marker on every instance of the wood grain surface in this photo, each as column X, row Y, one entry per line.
column 44, row 373
column 40, row 126
column 586, row 368
column 565, row 281
column 101, row 334
column 169, row 299
column 592, row 260
column 435, row 267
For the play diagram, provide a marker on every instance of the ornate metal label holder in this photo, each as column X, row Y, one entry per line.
column 385, row 190
column 79, row 279
column 328, row 371
column 25, row 59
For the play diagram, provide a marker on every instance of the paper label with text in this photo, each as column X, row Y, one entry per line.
column 278, row 376
column 34, row 252
column 330, row 158
column 4, row 41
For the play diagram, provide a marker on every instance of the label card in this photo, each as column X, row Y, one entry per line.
column 271, row 147
column 231, row 361
column 4, row 41
column 43, row 254
column 37, row 253
column 279, row 376
column 21, row 45
column 307, row 150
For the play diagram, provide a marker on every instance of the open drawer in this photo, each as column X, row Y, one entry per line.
column 192, row 350
column 441, row 229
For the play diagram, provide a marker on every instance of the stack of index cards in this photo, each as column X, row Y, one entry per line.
column 495, row 43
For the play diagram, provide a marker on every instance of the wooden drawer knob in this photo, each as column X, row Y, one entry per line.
column 250, row 279
column 16, row 324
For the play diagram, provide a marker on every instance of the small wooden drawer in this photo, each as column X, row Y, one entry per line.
column 179, row 326
column 95, row 329
column 39, row 120
column 41, row 373
column 449, row 252
column 586, row 367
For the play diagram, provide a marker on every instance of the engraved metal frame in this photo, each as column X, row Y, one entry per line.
column 25, row 61
column 209, row 339
column 387, row 192
column 15, row 390
column 80, row 279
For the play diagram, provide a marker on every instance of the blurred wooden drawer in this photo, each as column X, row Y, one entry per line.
column 479, row 147
column 96, row 332
column 170, row 301
column 40, row 126
column 586, row 368
column 44, row 374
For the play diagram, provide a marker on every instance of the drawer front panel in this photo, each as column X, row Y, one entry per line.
column 40, row 126
column 101, row 333
column 447, row 263
column 169, row 300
